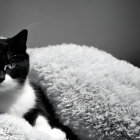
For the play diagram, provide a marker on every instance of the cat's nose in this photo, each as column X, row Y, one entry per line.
column 2, row 76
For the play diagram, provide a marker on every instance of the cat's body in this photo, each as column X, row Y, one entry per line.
column 20, row 97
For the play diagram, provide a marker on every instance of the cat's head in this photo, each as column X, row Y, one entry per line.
column 14, row 61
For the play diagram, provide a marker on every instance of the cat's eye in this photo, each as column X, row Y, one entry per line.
column 10, row 66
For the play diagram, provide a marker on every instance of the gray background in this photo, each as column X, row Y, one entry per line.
column 110, row 25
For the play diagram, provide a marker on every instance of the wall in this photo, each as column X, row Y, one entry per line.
column 110, row 25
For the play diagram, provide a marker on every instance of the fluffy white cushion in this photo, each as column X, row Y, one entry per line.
column 94, row 93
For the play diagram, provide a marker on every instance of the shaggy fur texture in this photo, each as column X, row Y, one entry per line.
column 95, row 94
column 13, row 128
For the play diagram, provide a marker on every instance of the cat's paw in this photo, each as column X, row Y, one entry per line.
column 38, row 135
column 57, row 134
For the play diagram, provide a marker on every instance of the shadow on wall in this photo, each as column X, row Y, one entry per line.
column 111, row 25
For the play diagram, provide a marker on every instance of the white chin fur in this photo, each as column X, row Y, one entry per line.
column 8, row 84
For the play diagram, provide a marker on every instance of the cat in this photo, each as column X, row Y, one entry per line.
column 22, row 98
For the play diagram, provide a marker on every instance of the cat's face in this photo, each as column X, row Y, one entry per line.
column 14, row 62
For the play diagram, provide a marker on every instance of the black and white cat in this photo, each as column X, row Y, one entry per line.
column 20, row 97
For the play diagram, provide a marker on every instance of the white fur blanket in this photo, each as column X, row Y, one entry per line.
column 95, row 94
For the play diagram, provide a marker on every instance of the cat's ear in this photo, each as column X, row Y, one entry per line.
column 21, row 36
column 18, row 42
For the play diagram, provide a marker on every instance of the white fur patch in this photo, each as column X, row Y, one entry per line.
column 14, row 100
column 24, row 102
